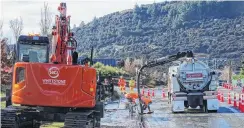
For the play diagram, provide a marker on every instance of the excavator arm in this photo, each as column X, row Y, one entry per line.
column 157, row 62
column 63, row 43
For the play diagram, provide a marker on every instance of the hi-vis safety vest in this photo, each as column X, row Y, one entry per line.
column 132, row 83
column 121, row 82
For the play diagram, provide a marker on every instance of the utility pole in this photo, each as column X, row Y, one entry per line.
column 242, row 60
column 214, row 63
column 230, row 72
column 171, row 38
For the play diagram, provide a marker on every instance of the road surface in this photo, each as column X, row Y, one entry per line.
column 226, row 117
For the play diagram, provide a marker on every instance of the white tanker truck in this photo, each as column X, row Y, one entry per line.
column 191, row 84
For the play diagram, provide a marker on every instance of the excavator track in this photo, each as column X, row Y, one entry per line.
column 80, row 120
column 13, row 117
column 9, row 118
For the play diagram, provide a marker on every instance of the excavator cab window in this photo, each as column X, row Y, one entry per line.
column 20, row 75
column 33, row 49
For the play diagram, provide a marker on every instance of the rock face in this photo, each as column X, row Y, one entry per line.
column 165, row 28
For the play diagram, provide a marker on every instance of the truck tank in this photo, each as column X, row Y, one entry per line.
column 193, row 75
column 192, row 83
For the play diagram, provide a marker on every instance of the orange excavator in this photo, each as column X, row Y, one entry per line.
column 55, row 85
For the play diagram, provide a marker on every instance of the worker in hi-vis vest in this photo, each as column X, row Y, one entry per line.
column 132, row 84
column 122, row 84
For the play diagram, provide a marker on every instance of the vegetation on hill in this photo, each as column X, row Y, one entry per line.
column 106, row 71
column 159, row 29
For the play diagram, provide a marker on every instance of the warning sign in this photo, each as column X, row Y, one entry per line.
column 194, row 75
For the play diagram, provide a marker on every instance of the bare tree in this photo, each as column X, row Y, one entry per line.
column 46, row 20
column 17, row 26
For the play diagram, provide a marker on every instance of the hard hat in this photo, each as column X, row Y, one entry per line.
column 121, row 76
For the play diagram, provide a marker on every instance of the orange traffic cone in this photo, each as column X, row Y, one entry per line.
column 222, row 97
column 239, row 103
column 218, row 96
column 235, row 104
column 143, row 91
column 148, row 92
column 229, row 99
column 242, row 103
column 153, row 93
column 163, row 93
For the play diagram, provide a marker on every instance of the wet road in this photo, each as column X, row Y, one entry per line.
column 226, row 117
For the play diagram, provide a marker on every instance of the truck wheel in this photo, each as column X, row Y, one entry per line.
column 205, row 107
column 186, row 104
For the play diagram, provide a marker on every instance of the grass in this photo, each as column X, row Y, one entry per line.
column 52, row 125
column 3, row 104
column 3, row 94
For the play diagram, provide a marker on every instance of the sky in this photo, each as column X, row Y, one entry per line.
column 80, row 10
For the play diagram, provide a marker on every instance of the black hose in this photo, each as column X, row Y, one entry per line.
column 160, row 61
column 138, row 88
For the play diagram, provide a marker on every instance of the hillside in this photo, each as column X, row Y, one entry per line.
column 158, row 29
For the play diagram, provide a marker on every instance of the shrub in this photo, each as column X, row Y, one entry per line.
column 106, row 71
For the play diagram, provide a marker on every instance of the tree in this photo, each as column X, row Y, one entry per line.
column 152, row 10
column 17, row 26
column 136, row 13
column 82, row 23
column 6, row 64
column 130, row 65
column 242, row 71
column 139, row 25
column 46, row 20
column 74, row 26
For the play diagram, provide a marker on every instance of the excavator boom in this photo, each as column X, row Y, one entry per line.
column 63, row 43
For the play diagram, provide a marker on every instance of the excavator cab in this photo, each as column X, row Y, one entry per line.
column 32, row 48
